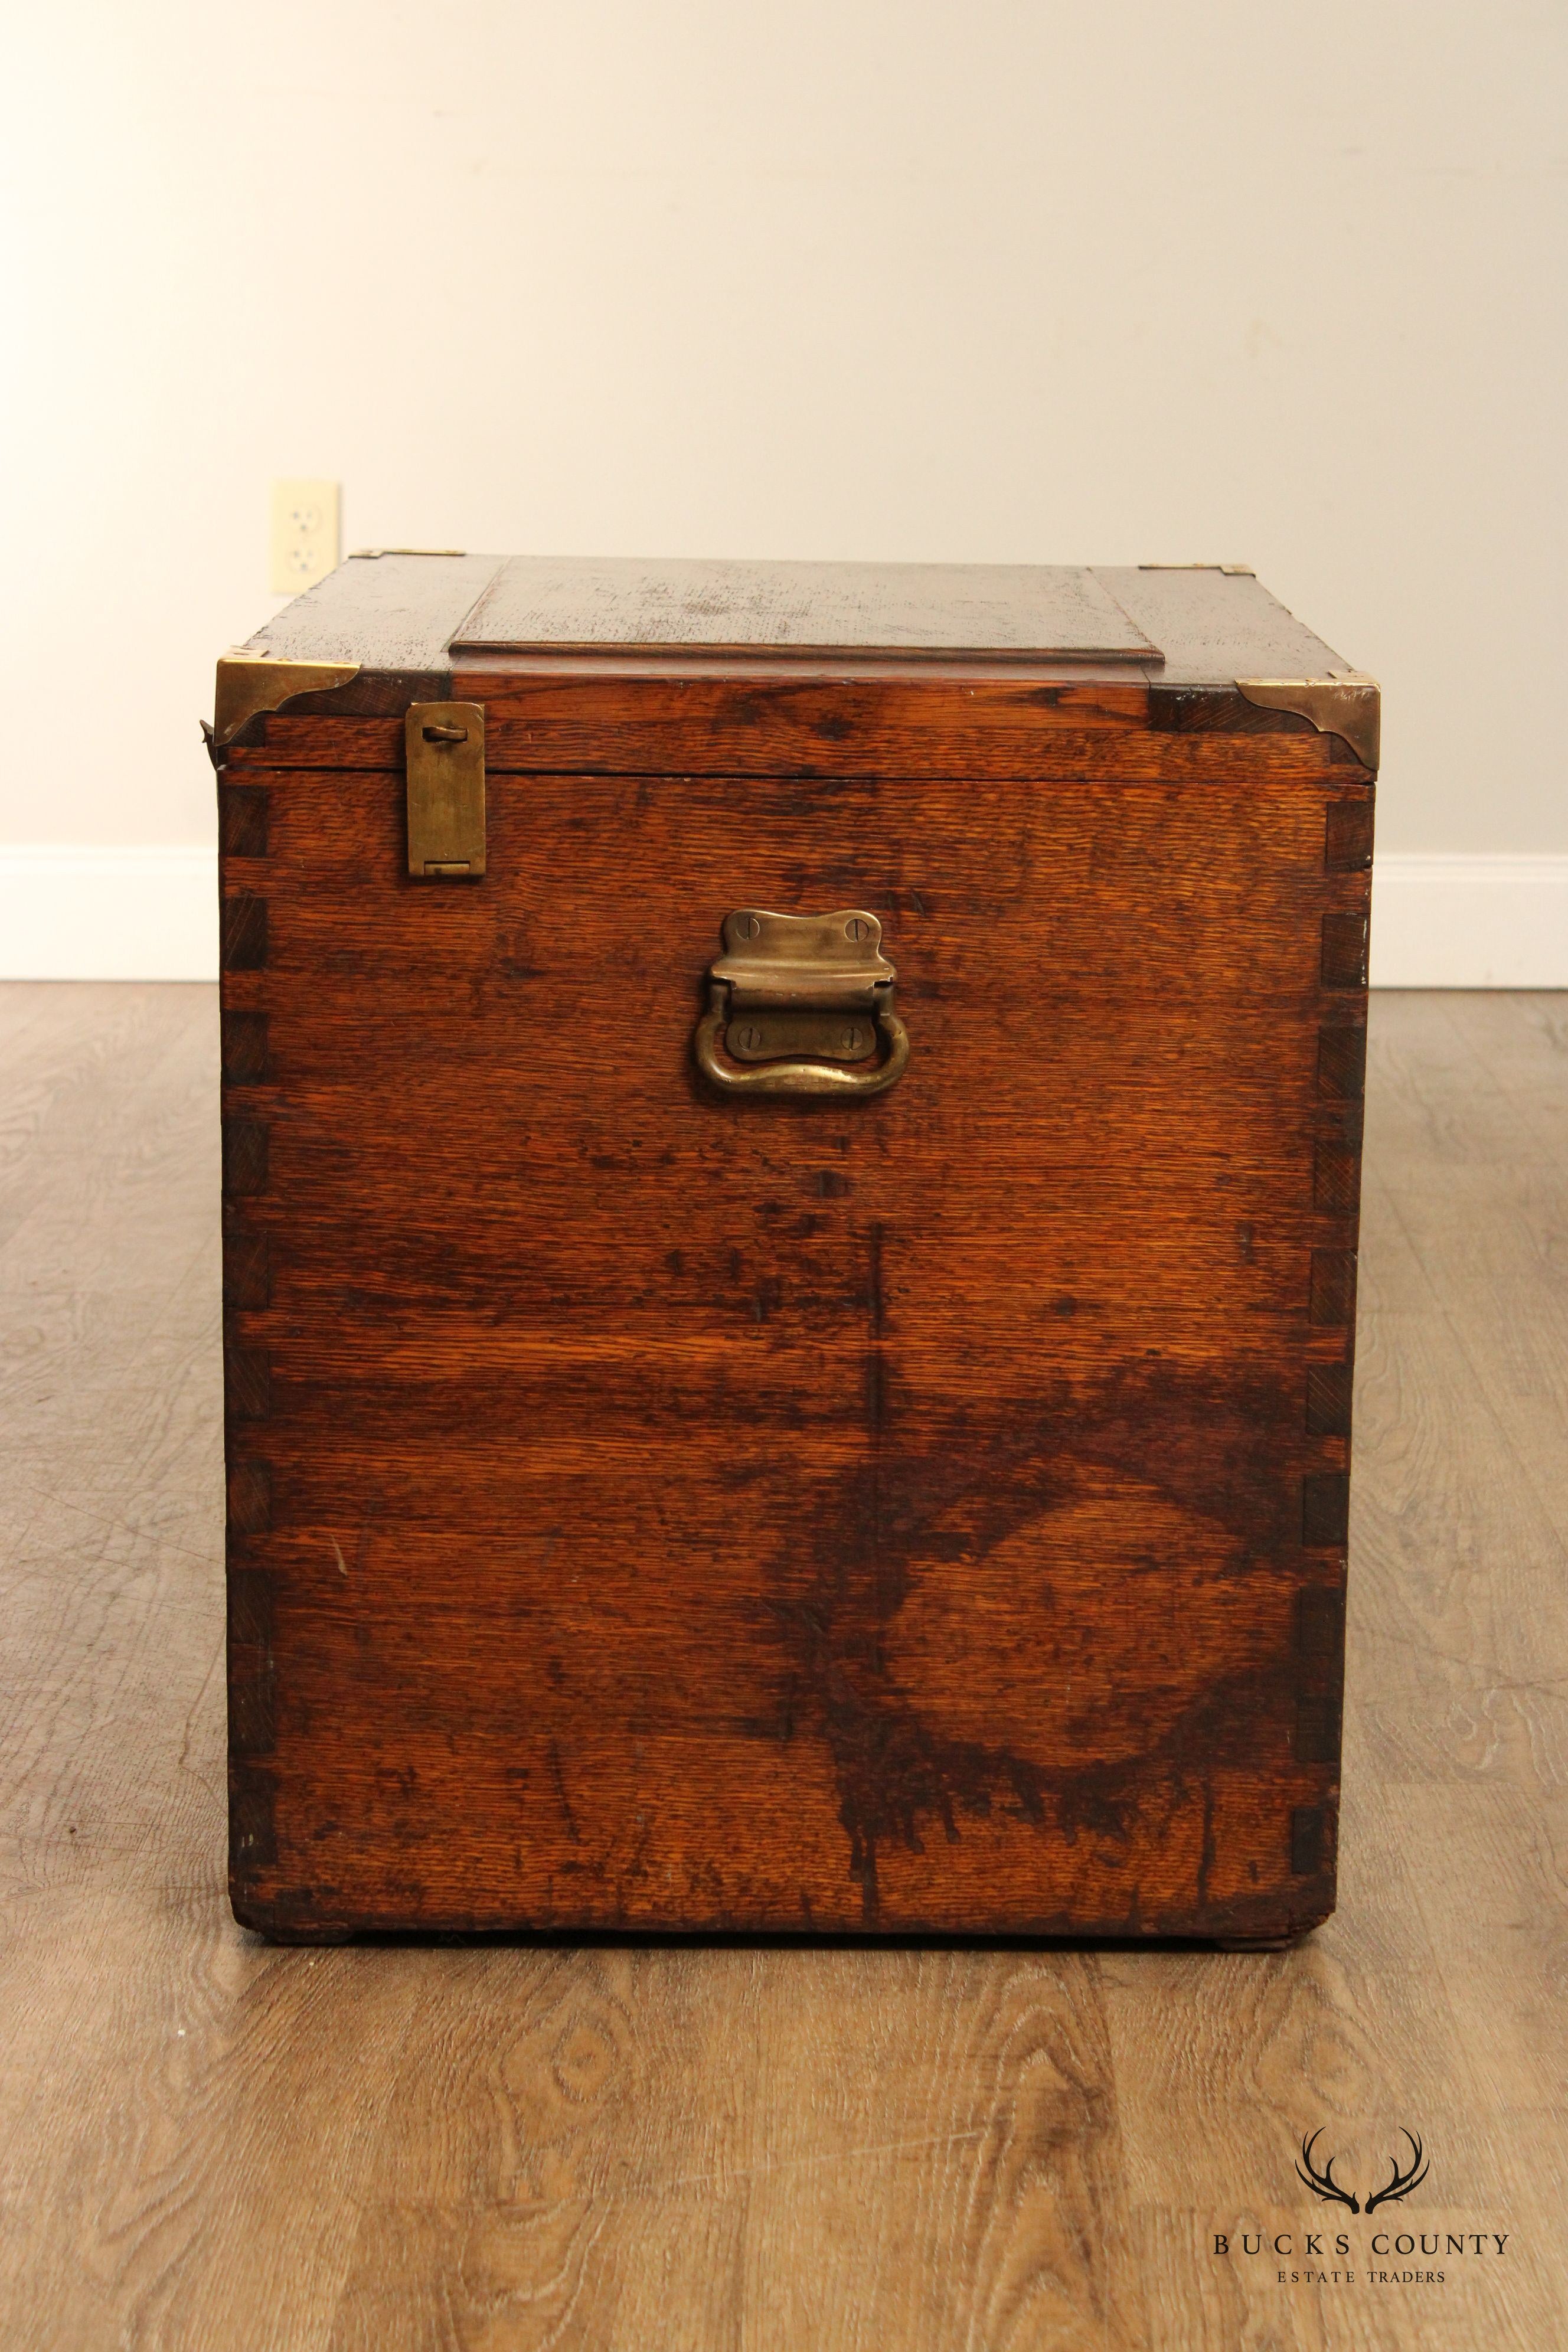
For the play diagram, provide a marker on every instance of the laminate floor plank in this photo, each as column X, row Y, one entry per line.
column 1498, row 1919
column 587, row 2112
column 88, row 1102
column 1520, row 1041
column 1499, row 1254
column 1457, row 1632
column 203, row 2125
column 749, row 2123
column 1493, row 1237
column 124, row 1658
column 208, row 2145
column 1437, row 1100
column 973, row 2111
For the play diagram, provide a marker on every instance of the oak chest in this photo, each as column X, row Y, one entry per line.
column 791, row 1150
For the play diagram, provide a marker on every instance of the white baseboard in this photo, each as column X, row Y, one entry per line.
column 119, row 912
column 133, row 913
column 1495, row 921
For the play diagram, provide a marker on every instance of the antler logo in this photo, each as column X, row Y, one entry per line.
column 1324, row 2184
column 1401, row 2183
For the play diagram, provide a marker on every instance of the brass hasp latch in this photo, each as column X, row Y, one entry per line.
column 446, row 745
column 794, row 999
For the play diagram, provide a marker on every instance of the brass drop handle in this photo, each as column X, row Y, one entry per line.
column 793, row 999
column 799, row 1078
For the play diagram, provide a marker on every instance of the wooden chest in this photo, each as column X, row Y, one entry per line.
column 720, row 1436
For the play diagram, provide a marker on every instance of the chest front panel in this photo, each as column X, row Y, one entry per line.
column 654, row 1508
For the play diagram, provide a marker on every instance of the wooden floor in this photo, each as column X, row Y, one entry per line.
column 208, row 2144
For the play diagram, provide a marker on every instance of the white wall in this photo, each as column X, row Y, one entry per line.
column 1082, row 282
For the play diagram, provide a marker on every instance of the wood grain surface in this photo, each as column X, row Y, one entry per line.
column 397, row 612
column 1028, row 608
column 651, row 1509
column 211, row 2143
column 708, row 719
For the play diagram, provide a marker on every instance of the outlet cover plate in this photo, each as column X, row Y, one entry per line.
column 305, row 535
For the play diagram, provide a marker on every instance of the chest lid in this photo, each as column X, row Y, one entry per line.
column 1010, row 611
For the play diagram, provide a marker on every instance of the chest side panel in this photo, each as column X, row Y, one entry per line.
column 653, row 1508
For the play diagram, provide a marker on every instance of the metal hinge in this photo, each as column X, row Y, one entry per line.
column 446, row 742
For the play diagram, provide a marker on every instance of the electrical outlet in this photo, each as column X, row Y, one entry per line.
column 304, row 535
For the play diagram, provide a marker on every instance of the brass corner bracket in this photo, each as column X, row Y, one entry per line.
column 1347, row 703
column 249, row 682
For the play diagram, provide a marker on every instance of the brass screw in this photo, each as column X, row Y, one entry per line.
column 852, row 1041
column 751, row 1039
column 856, row 928
column 747, row 926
